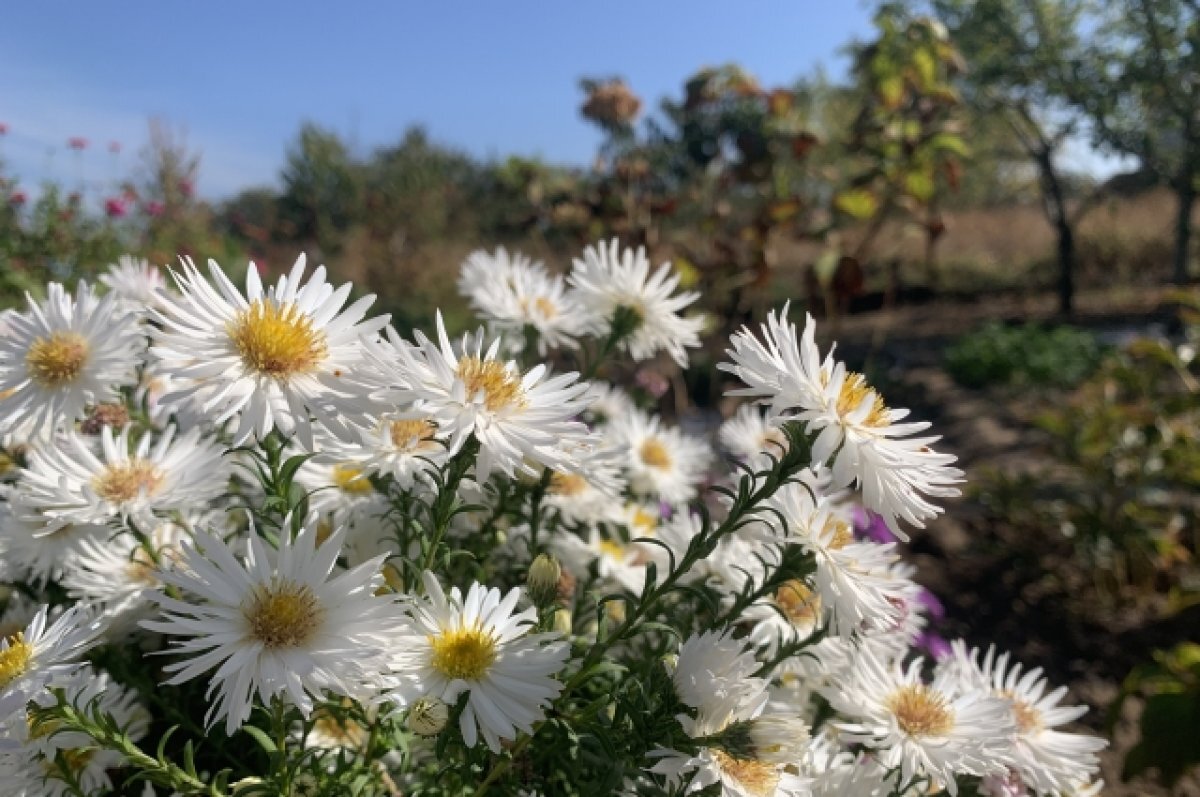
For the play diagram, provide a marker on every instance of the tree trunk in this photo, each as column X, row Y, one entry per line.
column 1186, row 192
column 1066, row 266
column 1055, row 204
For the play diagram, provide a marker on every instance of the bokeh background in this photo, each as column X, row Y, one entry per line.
column 990, row 204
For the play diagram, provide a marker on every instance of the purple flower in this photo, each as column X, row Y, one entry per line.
column 868, row 525
column 934, row 644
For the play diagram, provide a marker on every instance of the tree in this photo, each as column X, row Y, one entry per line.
column 321, row 188
column 1145, row 66
column 1020, row 56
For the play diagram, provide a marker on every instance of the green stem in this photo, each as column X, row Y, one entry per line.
column 444, row 506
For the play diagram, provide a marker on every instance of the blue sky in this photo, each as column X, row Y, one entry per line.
column 494, row 78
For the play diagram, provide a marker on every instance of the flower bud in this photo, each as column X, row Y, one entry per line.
column 542, row 581
column 428, row 716
column 773, row 739
column 563, row 621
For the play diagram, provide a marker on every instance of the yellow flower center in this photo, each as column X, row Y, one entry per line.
column 644, row 522
column 350, row 479
column 7, row 464
column 759, row 778
column 1029, row 719
column 58, row 359
column 125, row 481
column 338, row 731
column 464, row 653
column 277, row 340
column 654, row 454
column 141, row 569
column 854, row 392
column 14, row 659
column 920, row 711
column 283, row 615
column 545, row 307
column 611, row 549
column 568, row 484
column 843, row 535
column 491, row 379
column 798, row 602
column 411, row 435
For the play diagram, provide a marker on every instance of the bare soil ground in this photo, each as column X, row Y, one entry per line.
column 1001, row 583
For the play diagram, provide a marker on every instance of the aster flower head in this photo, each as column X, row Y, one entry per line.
column 852, row 578
column 118, row 575
column 661, row 461
column 87, row 763
column 742, row 750
column 69, row 484
column 858, row 435
column 63, row 354
column 479, row 644
column 43, row 654
column 925, row 729
column 136, row 283
column 516, row 416
column 1044, row 757
column 286, row 622
column 37, row 547
column 272, row 357
column 513, row 294
column 620, row 295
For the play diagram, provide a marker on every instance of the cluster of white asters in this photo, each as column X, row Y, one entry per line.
column 138, row 532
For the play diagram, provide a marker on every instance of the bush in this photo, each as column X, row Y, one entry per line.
column 1028, row 354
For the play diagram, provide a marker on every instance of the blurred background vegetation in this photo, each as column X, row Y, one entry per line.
column 1045, row 321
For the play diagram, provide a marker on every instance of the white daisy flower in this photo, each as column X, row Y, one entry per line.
column 338, row 488
column 282, row 623
column 853, row 578
column 593, row 494
column 931, row 730
column 514, row 293
column 858, row 436
column 69, row 484
column 515, row 416
column 136, row 283
column 403, row 445
column 62, row 355
column 89, row 764
column 117, row 574
column 37, row 547
column 1047, row 759
column 752, row 437
column 610, row 279
column 617, row 562
column 272, row 357
column 792, row 613
column 482, row 646
column 43, row 654
column 712, row 665
column 606, row 402
column 749, row 751
column 334, row 728
column 661, row 461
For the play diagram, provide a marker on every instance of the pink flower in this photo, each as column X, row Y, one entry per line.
column 3, row 128
column 186, row 187
column 77, row 142
column 114, row 207
column 17, row 198
column 154, row 208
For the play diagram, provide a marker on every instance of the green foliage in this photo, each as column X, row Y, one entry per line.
column 322, row 190
column 1030, row 354
column 1170, row 687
